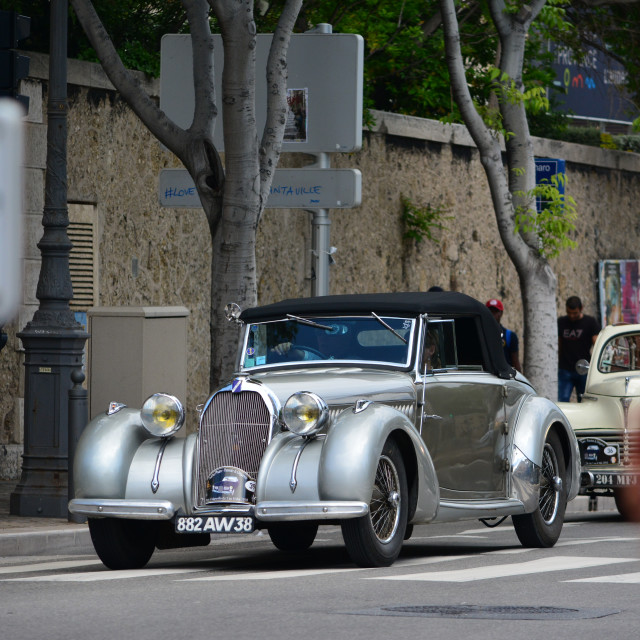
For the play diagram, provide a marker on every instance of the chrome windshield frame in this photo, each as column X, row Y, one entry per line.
column 319, row 320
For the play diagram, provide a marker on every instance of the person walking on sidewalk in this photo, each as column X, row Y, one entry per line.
column 576, row 334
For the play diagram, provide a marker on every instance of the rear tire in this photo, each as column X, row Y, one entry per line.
column 293, row 536
column 122, row 543
column 542, row 527
column 375, row 540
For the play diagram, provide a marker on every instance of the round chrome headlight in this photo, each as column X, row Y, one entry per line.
column 305, row 413
column 162, row 415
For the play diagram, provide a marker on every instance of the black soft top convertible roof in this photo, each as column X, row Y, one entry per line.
column 441, row 303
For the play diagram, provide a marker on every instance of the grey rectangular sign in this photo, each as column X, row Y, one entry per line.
column 290, row 189
column 324, row 89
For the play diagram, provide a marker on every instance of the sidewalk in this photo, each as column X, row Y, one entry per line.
column 21, row 536
column 37, row 536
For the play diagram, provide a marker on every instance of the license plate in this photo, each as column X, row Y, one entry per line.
column 614, row 480
column 214, row 524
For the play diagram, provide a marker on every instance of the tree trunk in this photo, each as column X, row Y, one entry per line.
column 508, row 190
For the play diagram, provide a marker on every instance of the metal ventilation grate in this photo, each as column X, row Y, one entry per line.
column 81, row 232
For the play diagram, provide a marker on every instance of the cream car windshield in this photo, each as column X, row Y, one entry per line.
column 620, row 353
column 379, row 339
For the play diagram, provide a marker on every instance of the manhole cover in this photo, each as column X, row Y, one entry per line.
column 489, row 612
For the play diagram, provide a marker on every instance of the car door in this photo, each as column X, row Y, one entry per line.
column 463, row 412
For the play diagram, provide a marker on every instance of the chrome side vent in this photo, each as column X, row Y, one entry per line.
column 235, row 429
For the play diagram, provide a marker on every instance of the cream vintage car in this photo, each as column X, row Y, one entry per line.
column 607, row 420
column 374, row 412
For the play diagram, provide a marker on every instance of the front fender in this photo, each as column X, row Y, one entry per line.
column 116, row 459
column 104, row 453
column 341, row 467
column 537, row 416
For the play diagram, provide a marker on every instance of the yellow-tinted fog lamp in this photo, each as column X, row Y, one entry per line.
column 162, row 415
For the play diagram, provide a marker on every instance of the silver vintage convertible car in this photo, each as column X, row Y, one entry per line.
column 376, row 412
column 607, row 421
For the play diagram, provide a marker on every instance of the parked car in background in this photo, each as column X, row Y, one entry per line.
column 607, row 420
column 376, row 412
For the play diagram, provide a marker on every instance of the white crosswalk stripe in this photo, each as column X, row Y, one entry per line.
column 48, row 566
column 622, row 578
column 106, row 574
column 542, row 565
column 270, row 575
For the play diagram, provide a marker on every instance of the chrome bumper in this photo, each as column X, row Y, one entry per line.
column 266, row 511
column 138, row 509
column 279, row 511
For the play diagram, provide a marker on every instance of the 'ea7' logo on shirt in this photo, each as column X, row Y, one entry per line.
column 572, row 334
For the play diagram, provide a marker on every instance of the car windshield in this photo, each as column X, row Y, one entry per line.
column 621, row 353
column 379, row 339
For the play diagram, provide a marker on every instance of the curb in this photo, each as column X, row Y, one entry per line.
column 41, row 542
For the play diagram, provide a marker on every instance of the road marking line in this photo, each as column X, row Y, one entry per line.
column 623, row 578
column 270, row 575
column 107, row 574
column 542, row 565
column 48, row 566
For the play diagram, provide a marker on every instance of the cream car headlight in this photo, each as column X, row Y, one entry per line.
column 162, row 415
column 305, row 413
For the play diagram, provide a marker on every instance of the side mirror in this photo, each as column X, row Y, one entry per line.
column 582, row 367
column 232, row 312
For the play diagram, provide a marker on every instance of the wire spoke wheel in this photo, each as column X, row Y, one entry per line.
column 375, row 540
column 385, row 501
column 542, row 527
column 549, row 489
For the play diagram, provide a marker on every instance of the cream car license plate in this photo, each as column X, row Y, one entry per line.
column 613, row 480
column 214, row 524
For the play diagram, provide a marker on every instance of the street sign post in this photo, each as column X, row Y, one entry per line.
column 290, row 189
column 324, row 88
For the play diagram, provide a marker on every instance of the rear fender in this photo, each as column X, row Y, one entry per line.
column 537, row 417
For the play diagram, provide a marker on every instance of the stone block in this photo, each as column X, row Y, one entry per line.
column 35, row 146
column 34, row 191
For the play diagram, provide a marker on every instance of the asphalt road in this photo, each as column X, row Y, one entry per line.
column 452, row 581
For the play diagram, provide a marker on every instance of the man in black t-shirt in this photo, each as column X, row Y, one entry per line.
column 576, row 334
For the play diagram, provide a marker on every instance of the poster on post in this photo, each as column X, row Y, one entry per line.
column 619, row 291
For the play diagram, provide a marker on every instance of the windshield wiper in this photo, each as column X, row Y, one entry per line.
column 311, row 323
column 384, row 324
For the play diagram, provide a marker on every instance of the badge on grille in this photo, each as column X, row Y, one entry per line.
column 230, row 484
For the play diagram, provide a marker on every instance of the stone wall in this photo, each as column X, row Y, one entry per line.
column 149, row 255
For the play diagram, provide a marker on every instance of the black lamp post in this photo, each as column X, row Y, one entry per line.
column 53, row 340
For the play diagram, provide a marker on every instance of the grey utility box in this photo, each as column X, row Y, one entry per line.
column 134, row 352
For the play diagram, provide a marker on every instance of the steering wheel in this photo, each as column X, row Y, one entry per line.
column 319, row 355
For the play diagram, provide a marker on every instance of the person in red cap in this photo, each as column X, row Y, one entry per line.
column 509, row 338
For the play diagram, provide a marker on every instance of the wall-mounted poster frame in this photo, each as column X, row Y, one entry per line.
column 619, row 291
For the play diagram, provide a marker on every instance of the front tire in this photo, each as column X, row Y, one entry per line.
column 293, row 536
column 542, row 528
column 122, row 543
column 375, row 540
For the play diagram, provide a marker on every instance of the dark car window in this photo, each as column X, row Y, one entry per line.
column 469, row 345
column 361, row 339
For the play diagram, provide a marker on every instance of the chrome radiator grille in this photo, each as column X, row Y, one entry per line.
column 234, row 432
